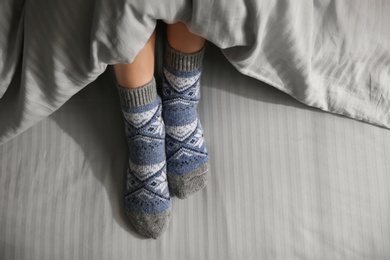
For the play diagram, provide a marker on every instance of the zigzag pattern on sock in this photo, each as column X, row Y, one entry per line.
column 185, row 146
column 146, row 186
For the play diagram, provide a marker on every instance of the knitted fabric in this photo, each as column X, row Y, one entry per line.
column 187, row 157
column 147, row 198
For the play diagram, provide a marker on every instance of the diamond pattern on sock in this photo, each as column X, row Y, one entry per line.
column 180, row 83
column 140, row 119
column 143, row 172
column 181, row 133
column 186, row 152
column 147, row 189
column 147, row 198
column 184, row 156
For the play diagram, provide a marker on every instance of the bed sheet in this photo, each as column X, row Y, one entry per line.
column 288, row 181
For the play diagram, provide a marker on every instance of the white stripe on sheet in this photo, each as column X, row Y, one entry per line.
column 288, row 181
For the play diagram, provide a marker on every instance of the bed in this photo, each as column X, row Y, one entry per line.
column 298, row 147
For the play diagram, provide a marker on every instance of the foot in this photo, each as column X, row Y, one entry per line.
column 147, row 198
column 187, row 157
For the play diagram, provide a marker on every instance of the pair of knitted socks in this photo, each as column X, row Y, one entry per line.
column 167, row 152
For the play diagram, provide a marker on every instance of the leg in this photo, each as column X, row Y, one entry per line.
column 183, row 40
column 147, row 198
column 187, row 158
column 141, row 70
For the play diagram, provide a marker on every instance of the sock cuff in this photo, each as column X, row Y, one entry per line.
column 183, row 61
column 138, row 97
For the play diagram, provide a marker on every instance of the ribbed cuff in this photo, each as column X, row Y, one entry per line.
column 183, row 61
column 138, row 97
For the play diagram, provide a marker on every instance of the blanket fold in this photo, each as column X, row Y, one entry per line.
column 333, row 55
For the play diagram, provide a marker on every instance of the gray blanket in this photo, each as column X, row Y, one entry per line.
column 334, row 55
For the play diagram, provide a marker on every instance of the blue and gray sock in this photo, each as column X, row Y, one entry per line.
column 187, row 157
column 147, row 198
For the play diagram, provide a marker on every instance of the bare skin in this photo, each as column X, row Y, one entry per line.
column 141, row 70
column 181, row 39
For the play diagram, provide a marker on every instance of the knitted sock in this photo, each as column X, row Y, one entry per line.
column 147, row 198
column 187, row 158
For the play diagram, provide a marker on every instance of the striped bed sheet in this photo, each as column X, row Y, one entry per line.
column 288, row 181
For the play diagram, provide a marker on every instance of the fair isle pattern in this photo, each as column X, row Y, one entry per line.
column 140, row 119
column 180, row 83
column 185, row 146
column 181, row 133
column 180, row 101
column 146, row 185
column 143, row 172
column 188, row 155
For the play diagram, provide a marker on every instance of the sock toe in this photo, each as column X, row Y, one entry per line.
column 183, row 186
column 150, row 225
